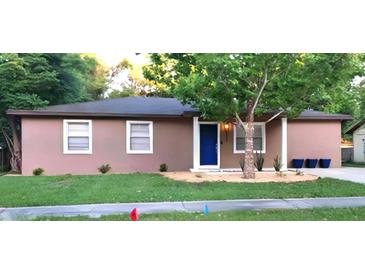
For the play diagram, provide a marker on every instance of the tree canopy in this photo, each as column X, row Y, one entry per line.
column 33, row 80
column 295, row 81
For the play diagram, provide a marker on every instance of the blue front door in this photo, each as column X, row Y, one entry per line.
column 208, row 144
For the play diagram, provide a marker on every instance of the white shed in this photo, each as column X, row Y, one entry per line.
column 358, row 133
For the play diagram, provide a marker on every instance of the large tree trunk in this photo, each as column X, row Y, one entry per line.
column 15, row 161
column 249, row 169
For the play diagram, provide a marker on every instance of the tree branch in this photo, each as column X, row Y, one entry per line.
column 274, row 116
column 240, row 121
column 8, row 142
column 261, row 88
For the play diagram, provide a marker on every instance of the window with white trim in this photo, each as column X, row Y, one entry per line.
column 239, row 137
column 139, row 137
column 77, row 136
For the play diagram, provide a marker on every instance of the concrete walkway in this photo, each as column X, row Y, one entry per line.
column 354, row 174
column 96, row 210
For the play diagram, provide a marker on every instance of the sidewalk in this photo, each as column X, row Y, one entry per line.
column 96, row 210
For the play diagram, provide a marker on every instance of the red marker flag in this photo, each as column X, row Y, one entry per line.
column 134, row 215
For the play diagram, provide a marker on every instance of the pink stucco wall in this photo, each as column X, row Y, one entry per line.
column 42, row 146
column 314, row 139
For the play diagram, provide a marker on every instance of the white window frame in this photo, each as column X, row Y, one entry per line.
column 263, row 128
column 65, row 137
column 128, row 137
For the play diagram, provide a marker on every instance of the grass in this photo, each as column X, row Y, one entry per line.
column 16, row 191
column 317, row 214
column 353, row 164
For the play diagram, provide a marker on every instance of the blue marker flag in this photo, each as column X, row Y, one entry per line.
column 206, row 211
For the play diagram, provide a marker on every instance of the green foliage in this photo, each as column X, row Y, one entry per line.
column 52, row 78
column 38, row 171
column 24, row 101
column 163, row 167
column 259, row 163
column 105, row 168
column 277, row 164
column 357, row 103
column 160, row 93
column 166, row 68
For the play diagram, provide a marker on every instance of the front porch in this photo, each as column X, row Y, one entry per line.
column 219, row 147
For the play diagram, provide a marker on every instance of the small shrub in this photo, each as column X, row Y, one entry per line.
column 38, row 171
column 104, row 168
column 259, row 163
column 277, row 164
column 163, row 167
column 299, row 172
column 280, row 174
column 242, row 163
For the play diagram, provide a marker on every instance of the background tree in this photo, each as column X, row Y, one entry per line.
column 223, row 86
column 127, row 79
column 30, row 81
column 358, row 103
column 120, row 93
column 95, row 77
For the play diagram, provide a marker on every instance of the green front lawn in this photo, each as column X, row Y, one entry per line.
column 18, row 191
column 318, row 214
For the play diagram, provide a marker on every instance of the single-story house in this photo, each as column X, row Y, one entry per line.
column 358, row 132
column 137, row 134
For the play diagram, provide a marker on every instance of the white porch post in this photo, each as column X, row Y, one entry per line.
column 196, row 143
column 284, row 143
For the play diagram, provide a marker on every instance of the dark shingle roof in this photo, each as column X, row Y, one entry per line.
column 142, row 107
column 120, row 107
column 319, row 115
